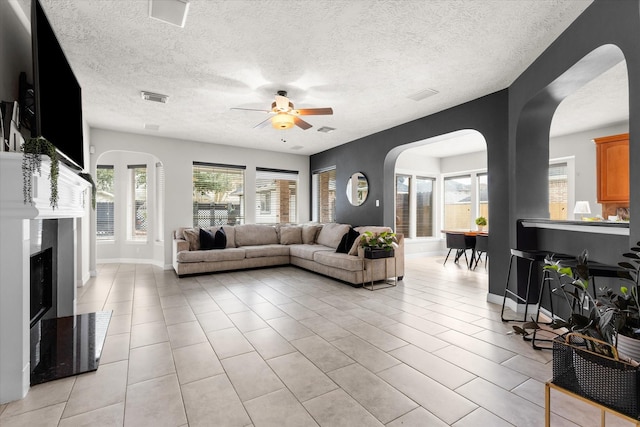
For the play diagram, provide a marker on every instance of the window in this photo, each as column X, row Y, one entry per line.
column 403, row 203
column 138, row 213
column 218, row 194
column 324, row 185
column 558, row 191
column 483, row 195
column 104, row 202
column 424, row 206
column 457, row 202
column 159, row 201
column 276, row 196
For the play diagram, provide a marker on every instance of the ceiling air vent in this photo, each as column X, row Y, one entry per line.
column 423, row 94
column 326, row 129
column 297, row 147
column 155, row 97
column 169, row 11
column 151, row 126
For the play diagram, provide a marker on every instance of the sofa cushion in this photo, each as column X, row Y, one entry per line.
column 338, row 260
column 255, row 234
column 347, row 241
column 192, row 235
column 331, row 234
column 265, row 251
column 231, row 254
column 290, row 235
column 310, row 233
column 307, row 251
column 230, row 231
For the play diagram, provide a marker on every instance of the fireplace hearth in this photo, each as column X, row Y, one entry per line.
column 67, row 346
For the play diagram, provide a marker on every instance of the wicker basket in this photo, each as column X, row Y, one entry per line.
column 606, row 380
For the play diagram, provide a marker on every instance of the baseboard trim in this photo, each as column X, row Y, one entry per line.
column 132, row 261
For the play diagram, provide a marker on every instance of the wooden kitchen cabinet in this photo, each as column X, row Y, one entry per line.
column 612, row 158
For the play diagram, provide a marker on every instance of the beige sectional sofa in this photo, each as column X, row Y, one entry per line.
column 311, row 246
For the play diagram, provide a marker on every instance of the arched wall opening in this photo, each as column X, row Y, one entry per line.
column 440, row 183
column 533, row 127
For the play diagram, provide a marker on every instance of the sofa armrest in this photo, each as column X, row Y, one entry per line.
column 180, row 245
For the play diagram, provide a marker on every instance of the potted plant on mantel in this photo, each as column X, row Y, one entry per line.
column 378, row 245
column 33, row 149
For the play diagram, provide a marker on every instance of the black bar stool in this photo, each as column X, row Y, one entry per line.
column 533, row 256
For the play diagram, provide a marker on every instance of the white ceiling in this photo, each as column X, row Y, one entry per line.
column 363, row 58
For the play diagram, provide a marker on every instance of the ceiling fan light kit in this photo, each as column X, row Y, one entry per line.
column 282, row 121
column 285, row 115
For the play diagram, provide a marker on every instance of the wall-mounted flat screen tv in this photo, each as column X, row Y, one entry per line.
column 58, row 98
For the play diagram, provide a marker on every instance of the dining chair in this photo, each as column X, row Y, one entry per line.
column 482, row 247
column 461, row 244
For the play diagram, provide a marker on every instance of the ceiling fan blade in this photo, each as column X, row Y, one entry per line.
column 315, row 111
column 301, row 123
column 251, row 109
column 263, row 123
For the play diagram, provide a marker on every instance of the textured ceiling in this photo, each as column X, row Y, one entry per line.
column 363, row 58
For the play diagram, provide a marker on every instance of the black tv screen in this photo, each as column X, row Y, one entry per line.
column 58, row 99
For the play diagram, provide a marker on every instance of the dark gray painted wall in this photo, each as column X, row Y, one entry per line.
column 515, row 123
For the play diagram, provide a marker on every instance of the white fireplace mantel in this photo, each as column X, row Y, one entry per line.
column 15, row 244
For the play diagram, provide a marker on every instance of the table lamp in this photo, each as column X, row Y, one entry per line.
column 582, row 207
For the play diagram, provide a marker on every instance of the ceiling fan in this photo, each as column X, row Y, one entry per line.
column 284, row 115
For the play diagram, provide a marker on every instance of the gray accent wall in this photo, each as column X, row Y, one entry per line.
column 515, row 123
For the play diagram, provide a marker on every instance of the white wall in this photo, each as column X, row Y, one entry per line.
column 464, row 163
column 178, row 156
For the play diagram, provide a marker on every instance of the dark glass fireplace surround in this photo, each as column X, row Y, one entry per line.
column 41, row 293
column 60, row 346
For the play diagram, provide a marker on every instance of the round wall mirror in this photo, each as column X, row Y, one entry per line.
column 357, row 189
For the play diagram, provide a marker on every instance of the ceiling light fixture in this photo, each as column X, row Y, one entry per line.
column 170, row 11
column 282, row 121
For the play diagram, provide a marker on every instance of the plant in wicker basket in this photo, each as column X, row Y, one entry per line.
column 588, row 316
column 627, row 302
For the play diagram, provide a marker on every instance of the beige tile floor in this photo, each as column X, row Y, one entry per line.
column 285, row 347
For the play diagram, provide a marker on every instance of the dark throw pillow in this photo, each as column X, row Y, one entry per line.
column 347, row 241
column 220, row 239
column 207, row 240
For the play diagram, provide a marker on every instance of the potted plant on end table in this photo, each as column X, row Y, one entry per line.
column 378, row 245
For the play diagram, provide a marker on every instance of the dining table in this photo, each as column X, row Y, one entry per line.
column 470, row 236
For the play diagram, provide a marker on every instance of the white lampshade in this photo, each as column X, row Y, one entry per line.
column 582, row 207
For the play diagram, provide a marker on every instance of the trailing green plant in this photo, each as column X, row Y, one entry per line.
column 32, row 150
column 385, row 240
column 94, row 189
column 481, row 221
